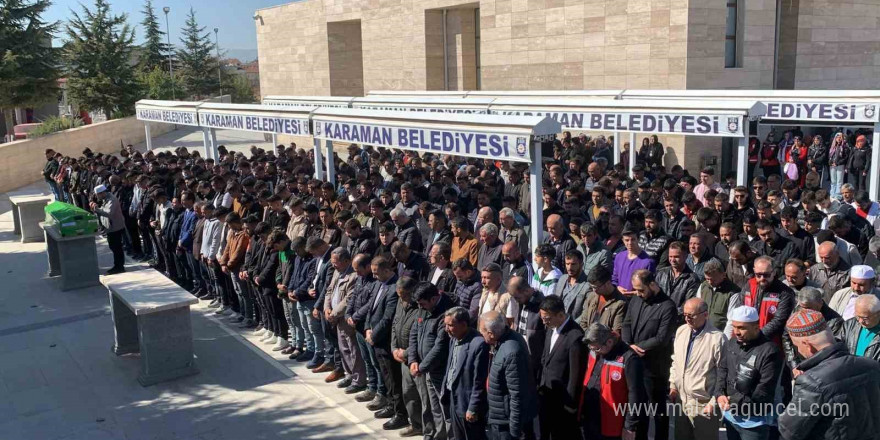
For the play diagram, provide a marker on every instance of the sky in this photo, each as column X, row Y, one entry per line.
column 234, row 18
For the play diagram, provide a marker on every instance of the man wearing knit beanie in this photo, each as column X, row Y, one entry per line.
column 833, row 390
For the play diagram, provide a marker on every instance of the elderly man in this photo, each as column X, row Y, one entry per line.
column 511, row 389
column 696, row 352
column 862, row 281
column 110, row 211
column 428, row 351
column 606, row 305
column 511, row 231
column 809, row 298
column 573, row 286
column 410, row 263
column 677, row 279
column 861, row 333
column 598, row 416
column 747, row 377
column 527, row 321
column 559, row 238
column 562, row 372
column 772, row 299
column 335, row 304
column 407, row 231
column 830, row 378
column 720, row 295
column 796, row 276
column 741, row 268
column 649, row 326
column 404, row 318
column 464, row 391
column 490, row 246
column 484, row 216
column 831, row 273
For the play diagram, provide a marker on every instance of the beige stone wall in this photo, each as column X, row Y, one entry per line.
column 21, row 162
column 838, row 44
column 345, row 51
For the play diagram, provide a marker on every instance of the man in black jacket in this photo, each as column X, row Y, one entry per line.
column 379, row 320
column 780, row 249
column 748, row 374
column 831, row 379
column 562, row 371
column 648, row 329
column 440, row 232
column 527, row 321
column 428, row 350
column 511, row 387
column 464, row 391
column 677, row 280
column 320, row 249
column 361, row 241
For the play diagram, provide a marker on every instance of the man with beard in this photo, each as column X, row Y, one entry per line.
column 490, row 246
column 406, row 232
column 653, row 240
column 779, row 249
column 772, row 299
column 740, row 269
column 802, row 240
column 677, row 280
column 360, row 241
column 726, row 236
column 831, row 273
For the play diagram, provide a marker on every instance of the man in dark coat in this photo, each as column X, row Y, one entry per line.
column 406, row 230
column 648, row 329
column 511, row 388
column 830, row 378
column 428, row 350
column 527, row 321
column 562, row 371
column 464, row 391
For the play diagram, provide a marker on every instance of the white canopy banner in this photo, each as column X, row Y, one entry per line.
column 257, row 123
column 180, row 117
column 822, row 112
column 726, row 125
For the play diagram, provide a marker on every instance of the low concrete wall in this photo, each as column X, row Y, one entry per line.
column 21, row 162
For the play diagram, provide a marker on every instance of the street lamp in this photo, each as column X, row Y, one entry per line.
column 219, row 66
column 166, row 9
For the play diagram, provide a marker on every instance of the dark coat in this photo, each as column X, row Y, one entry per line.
column 651, row 325
column 563, row 367
column 446, row 283
column 833, row 376
column 428, row 340
column 404, row 318
column 512, row 393
column 679, row 289
column 792, row 356
column 535, row 331
column 323, row 279
column 749, row 372
column 359, row 302
column 470, row 373
column 467, row 294
column 444, row 237
column 381, row 314
column 410, row 235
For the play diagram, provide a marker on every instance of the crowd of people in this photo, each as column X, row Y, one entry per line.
column 654, row 297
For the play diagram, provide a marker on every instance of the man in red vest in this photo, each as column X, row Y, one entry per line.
column 613, row 400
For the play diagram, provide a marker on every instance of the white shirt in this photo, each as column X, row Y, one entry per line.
column 556, row 333
column 436, row 275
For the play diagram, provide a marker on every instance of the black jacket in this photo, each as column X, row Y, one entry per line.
column 834, row 322
column 359, row 301
column 365, row 244
column 651, row 325
column 563, row 367
column 656, row 247
column 679, row 289
column 404, row 318
column 410, row 235
column 381, row 314
column 446, row 283
column 444, row 237
column 512, row 394
column 780, row 251
column 469, row 376
column 748, row 373
column 535, row 331
column 428, row 340
column 833, row 376
column 324, row 275
column 415, row 267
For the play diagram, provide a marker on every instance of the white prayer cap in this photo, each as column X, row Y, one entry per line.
column 744, row 314
column 100, row 188
column 862, row 272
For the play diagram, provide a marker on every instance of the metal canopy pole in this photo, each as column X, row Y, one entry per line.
column 274, row 140
column 206, row 141
column 148, row 139
column 331, row 166
column 215, row 154
column 742, row 157
column 319, row 165
column 632, row 153
column 536, row 191
column 873, row 188
column 616, row 149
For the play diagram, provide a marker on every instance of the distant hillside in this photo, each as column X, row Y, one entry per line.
column 243, row 55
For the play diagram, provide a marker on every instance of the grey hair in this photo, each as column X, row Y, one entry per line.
column 766, row 260
column 341, row 254
column 494, row 322
column 399, row 212
column 810, row 294
column 508, row 212
column 489, row 228
column 847, row 186
column 598, row 334
column 458, row 314
column 870, row 301
column 713, row 266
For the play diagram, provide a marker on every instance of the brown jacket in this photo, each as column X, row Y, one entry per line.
column 610, row 316
column 346, row 283
column 465, row 246
column 236, row 247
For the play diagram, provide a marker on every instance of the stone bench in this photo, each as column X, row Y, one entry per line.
column 151, row 316
column 27, row 213
column 74, row 258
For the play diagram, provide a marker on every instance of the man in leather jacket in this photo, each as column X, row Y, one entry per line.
column 842, row 387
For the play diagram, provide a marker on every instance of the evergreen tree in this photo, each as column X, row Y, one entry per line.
column 29, row 66
column 198, row 65
column 101, row 74
column 155, row 50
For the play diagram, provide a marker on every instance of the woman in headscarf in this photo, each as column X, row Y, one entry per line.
column 838, row 156
column 817, row 159
column 859, row 164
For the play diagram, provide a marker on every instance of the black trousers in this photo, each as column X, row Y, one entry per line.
column 393, row 380
column 555, row 421
column 464, row 430
column 131, row 225
column 146, row 236
column 276, row 312
column 657, row 388
column 114, row 240
column 331, row 341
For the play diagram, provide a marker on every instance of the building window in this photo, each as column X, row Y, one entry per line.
column 733, row 35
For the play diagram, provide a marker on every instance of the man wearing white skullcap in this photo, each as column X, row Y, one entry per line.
column 862, row 281
column 748, row 372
